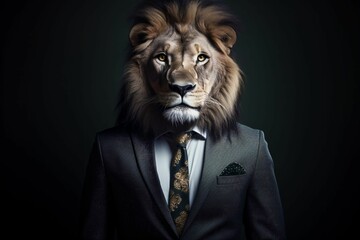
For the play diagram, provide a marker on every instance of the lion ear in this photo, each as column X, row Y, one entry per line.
column 224, row 37
column 141, row 35
column 138, row 34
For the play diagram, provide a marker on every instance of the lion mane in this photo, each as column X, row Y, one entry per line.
column 188, row 28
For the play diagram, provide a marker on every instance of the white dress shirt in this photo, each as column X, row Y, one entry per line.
column 195, row 151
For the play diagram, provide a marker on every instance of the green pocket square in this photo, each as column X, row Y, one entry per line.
column 233, row 169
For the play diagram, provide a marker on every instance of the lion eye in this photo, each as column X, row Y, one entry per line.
column 202, row 57
column 161, row 57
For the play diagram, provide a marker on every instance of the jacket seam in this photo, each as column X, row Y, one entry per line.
column 101, row 154
column 257, row 154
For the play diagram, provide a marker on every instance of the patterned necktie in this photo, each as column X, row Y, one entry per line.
column 179, row 183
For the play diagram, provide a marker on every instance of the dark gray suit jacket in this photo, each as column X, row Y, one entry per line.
column 123, row 197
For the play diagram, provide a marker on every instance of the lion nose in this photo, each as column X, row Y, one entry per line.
column 182, row 90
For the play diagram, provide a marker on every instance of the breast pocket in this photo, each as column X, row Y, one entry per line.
column 226, row 180
column 227, row 195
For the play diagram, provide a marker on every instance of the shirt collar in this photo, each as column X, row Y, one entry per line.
column 201, row 133
column 197, row 133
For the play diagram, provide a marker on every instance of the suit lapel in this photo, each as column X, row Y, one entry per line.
column 215, row 153
column 144, row 153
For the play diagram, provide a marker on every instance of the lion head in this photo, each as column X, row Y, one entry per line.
column 180, row 72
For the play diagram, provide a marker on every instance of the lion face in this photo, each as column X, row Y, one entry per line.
column 180, row 72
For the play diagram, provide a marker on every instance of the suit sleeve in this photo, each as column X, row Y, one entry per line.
column 263, row 214
column 95, row 217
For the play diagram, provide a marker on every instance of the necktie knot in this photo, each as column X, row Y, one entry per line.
column 183, row 138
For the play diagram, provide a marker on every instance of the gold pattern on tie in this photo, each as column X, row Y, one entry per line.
column 179, row 183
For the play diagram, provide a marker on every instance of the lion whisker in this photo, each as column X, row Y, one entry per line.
column 214, row 101
column 149, row 101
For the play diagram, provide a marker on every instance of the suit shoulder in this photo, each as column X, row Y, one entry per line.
column 249, row 137
column 249, row 133
column 113, row 132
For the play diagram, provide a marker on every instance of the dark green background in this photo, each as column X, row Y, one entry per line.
column 61, row 64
